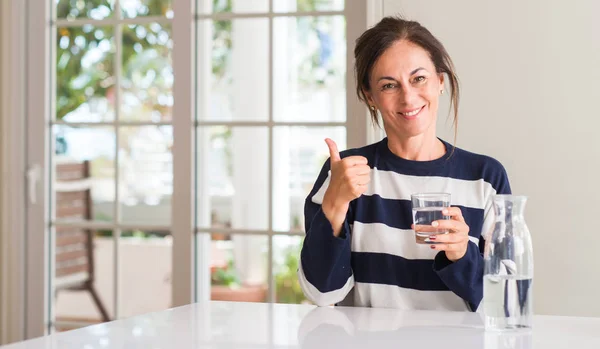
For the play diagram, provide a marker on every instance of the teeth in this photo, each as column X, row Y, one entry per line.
column 412, row 113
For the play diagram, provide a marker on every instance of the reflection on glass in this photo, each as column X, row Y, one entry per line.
column 147, row 73
column 232, row 165
column 307, row 5
column 72, row 9
column 145, row 268
column 146, row 174
column 85, row 82
column 233, row 70
column 84, row 277
column 140, row 8
column 298, row 155
column 235, row 6
column 309, row 69
column 238, row 268
column 84, row 180
column 286, row 259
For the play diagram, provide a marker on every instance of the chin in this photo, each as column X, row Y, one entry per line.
column 408, row 128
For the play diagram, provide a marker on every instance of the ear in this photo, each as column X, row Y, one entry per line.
column 369, row 96
column 442, row 77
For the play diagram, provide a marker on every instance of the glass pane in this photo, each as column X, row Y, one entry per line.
column 307, row 5
column 232, row 183
column 139, row 8
column 85, row 81
column 97, row 9
column 238, row 268
column 298, row 155
column 84, row 276
column 309, row 69
column 147, row 73
column 84, row 181
column 235, row 6
column 233, row 70
column 146, row 174
column 145, row 267
column 286, row 257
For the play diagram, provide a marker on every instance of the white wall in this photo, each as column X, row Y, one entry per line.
column 3, row 301
column 12, row 241
column 530, row 78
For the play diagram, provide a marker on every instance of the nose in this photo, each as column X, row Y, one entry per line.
column 408, row 95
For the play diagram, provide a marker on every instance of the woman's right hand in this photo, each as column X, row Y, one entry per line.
column 350, row 177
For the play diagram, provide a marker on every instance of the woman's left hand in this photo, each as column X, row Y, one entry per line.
column 455, row 243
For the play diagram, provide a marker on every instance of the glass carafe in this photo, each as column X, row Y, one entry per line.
column 508, row 270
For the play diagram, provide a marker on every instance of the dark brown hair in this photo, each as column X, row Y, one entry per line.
column 373, row 43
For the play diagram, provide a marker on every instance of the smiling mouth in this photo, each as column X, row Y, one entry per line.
column 411, row 113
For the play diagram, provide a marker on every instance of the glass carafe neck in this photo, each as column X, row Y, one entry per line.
column 509, row 207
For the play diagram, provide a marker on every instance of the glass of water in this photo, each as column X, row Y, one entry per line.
column 426, row 208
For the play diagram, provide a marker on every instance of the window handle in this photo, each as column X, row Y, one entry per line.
column 33, row 177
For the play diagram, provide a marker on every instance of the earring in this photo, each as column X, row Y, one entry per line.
column 373, row 108
column 442, row 92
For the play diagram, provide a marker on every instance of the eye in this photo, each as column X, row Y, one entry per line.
column 420, row 79
column 387, row 86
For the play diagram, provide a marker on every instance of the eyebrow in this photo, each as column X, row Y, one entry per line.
column 386, row 78
column 416, row 70
column 392, row 79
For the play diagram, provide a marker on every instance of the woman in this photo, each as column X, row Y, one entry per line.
column 359, row 247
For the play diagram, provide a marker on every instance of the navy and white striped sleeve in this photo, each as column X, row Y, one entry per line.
column 324, row 272
column 465, row 276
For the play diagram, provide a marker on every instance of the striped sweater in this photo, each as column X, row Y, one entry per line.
column 376, row 262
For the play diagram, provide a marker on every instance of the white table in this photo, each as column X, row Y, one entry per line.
column 253, row 325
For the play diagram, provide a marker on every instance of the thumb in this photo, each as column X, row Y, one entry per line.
column 333, row 150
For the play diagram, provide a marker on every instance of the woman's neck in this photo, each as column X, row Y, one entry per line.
column 418, row 148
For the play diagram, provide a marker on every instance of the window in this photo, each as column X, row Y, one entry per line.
column 112, row 165
column 180, row 140
column 271, row 86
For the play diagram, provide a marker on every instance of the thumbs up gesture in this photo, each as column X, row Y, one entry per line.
column 350, row 177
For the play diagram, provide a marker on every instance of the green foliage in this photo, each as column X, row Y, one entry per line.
column 311, row 5
column 286, row 279
column 226, row 276
column 221, row 38
column 86, row 57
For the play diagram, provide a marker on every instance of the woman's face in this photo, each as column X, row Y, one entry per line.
column 405, row 88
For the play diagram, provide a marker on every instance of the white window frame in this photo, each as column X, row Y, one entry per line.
column 37, row 87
